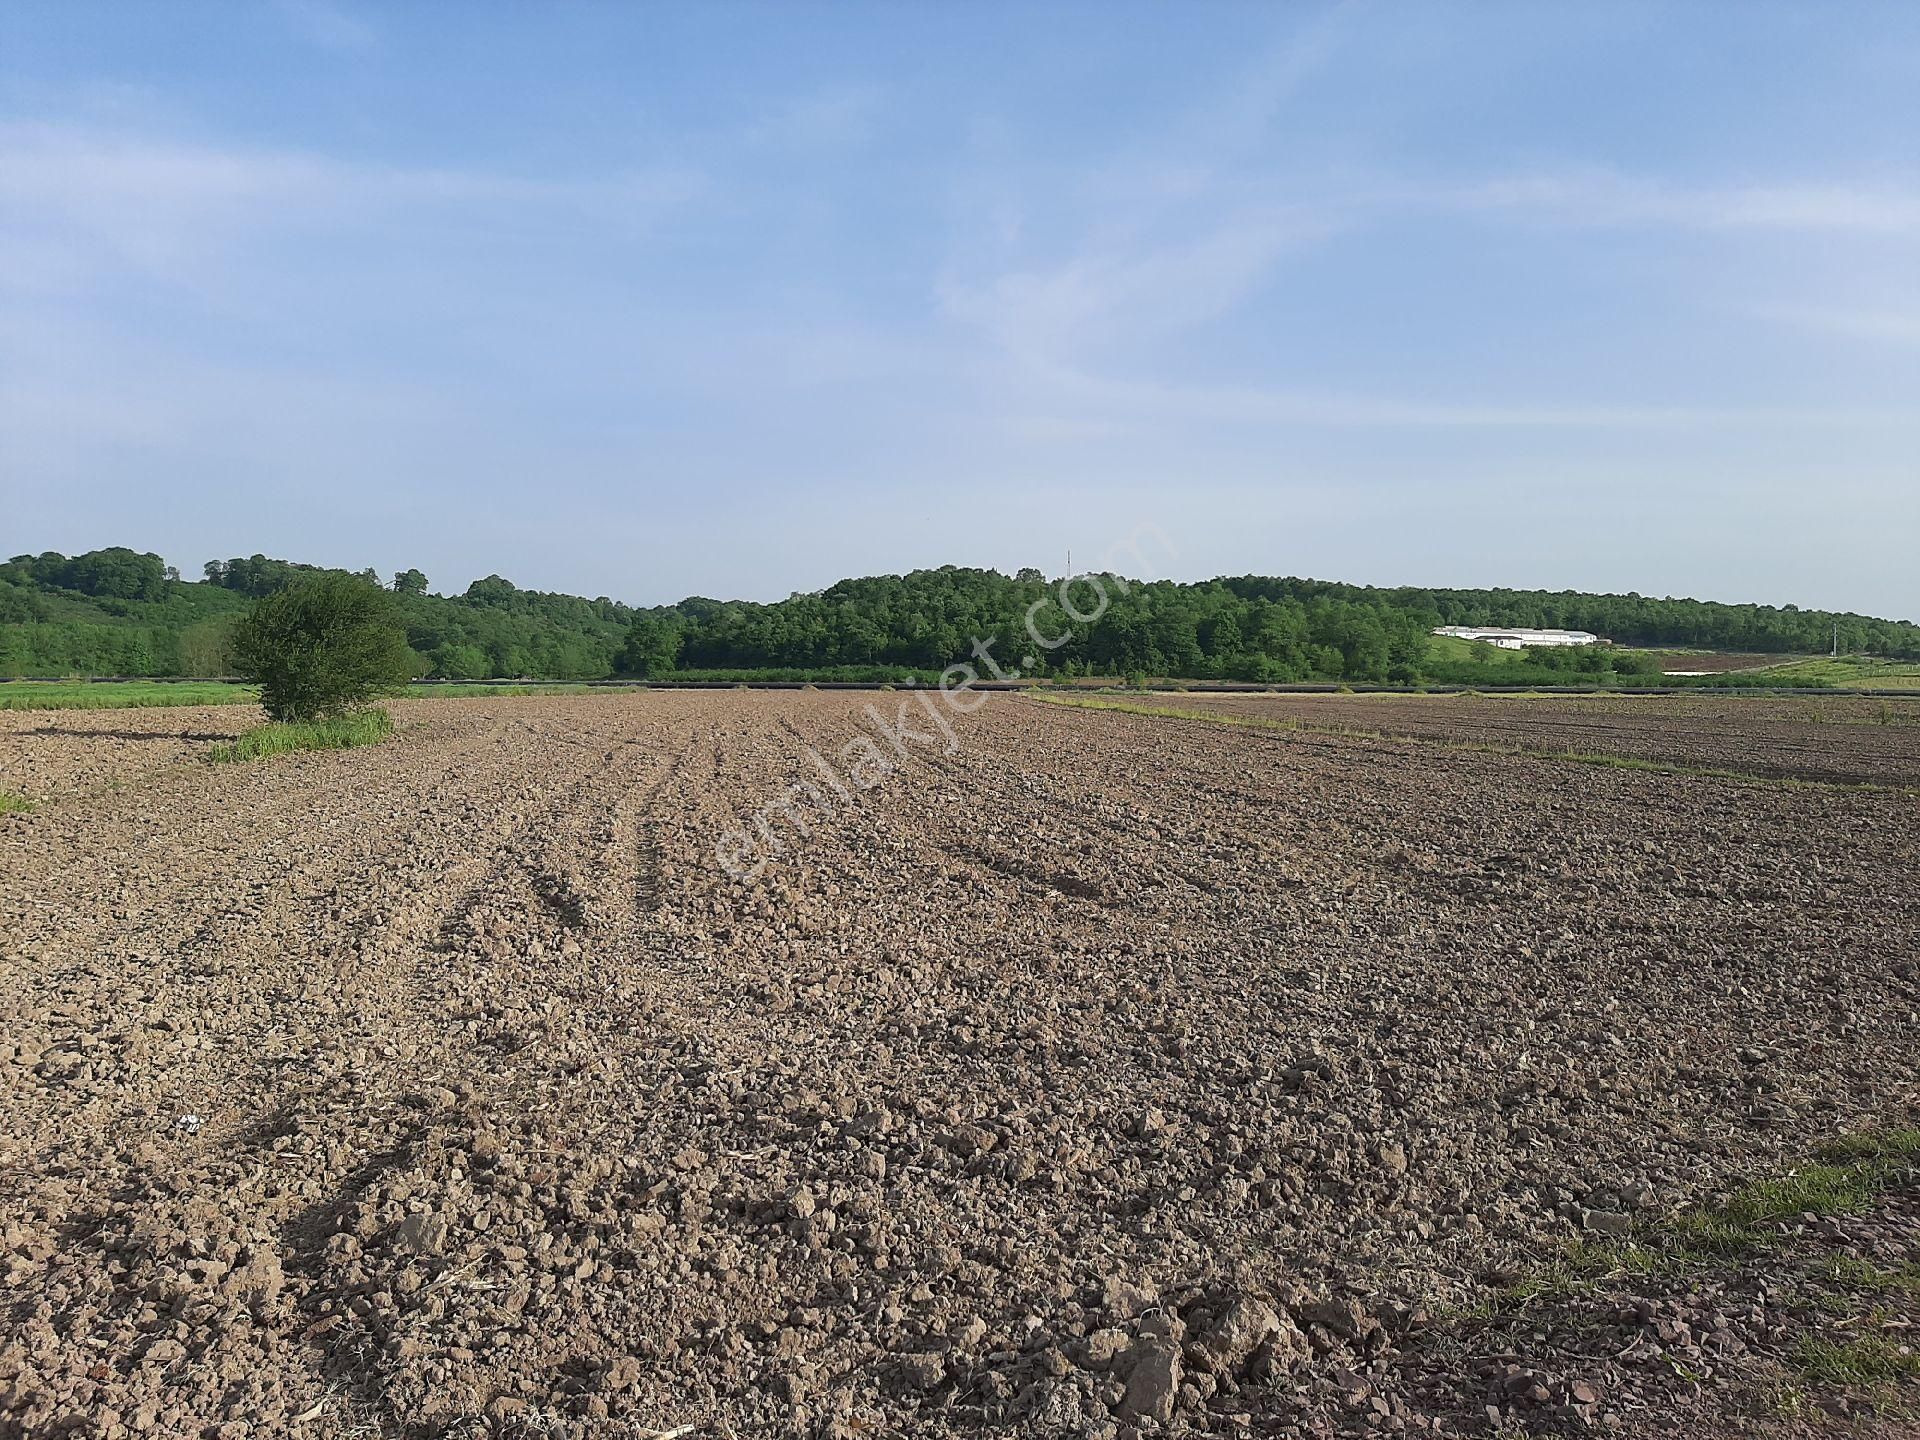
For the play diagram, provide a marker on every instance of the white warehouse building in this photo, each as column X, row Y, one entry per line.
column 1509, row 639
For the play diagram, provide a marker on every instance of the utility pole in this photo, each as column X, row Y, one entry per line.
column 1836, row 639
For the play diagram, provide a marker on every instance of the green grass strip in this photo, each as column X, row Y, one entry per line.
column 459, row 691
column 121, row 695
column 15, row 804
column 339, row 732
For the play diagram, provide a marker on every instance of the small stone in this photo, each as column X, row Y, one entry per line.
column 1125, row 1300
column 421, row 1234
column 1053, row 1407
column 1103, row 1347
column 1346, row 1318
column 621, row 1374
column 1153, row 1383
column 924, row 1371
column 1614, row 1224
column 1163, row 1325
column 1239, row 1332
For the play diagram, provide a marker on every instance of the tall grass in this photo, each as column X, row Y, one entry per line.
column 120, row 694
column 339, row 732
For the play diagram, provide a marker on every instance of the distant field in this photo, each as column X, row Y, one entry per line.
column 1784, row 671
column 120, row 695
column 1452, row 650
column 1836, row 740
column 1858, row 672
column 1717, row 662
column 143, row 694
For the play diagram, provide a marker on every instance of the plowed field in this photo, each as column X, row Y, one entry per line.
column 1839, row 740
column 1088, row 1072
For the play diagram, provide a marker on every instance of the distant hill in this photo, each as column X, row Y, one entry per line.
column 122, row 612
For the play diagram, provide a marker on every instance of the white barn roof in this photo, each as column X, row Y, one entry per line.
column 1512, row 637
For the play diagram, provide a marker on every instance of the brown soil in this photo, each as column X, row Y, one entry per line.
column 1108, row 1074
column 1721, row 662
column 1838, row 740
column 44, row 753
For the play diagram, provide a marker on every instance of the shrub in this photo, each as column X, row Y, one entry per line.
column 322, row 647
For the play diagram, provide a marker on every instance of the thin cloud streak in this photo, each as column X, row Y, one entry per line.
column 1625, row 201
column 159, row 205
column 1131, row 404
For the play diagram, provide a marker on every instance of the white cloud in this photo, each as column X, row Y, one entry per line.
column 1090, row 298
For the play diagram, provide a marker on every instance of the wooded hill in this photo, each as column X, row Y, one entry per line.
column 121, row 612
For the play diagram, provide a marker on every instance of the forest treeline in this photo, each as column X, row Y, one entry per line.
column 117, row 611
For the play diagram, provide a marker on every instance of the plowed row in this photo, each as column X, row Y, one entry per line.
column 1839, row 740
column 1094, row 1071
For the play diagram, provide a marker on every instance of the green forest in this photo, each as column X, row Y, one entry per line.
column 117, row 611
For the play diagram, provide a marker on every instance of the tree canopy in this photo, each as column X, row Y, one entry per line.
column 325, row 645
column 117, row 611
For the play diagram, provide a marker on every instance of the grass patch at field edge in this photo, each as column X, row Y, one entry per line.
column 1868, row 1362
column 338, row 732
column 121, row 695
column 1844, row 1177
column 12, row 803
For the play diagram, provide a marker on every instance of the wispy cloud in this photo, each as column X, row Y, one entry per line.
column 1095, row 296
column 837, row 118
column 83, row 198
column 328, row 25
column 1069, row 397
column 1605, row 199
column 1163, row 233
column 1893, row 323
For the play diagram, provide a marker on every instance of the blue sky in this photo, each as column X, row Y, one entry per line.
column 647, row 301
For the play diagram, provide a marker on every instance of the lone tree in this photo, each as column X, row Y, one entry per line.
column 322, row 646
